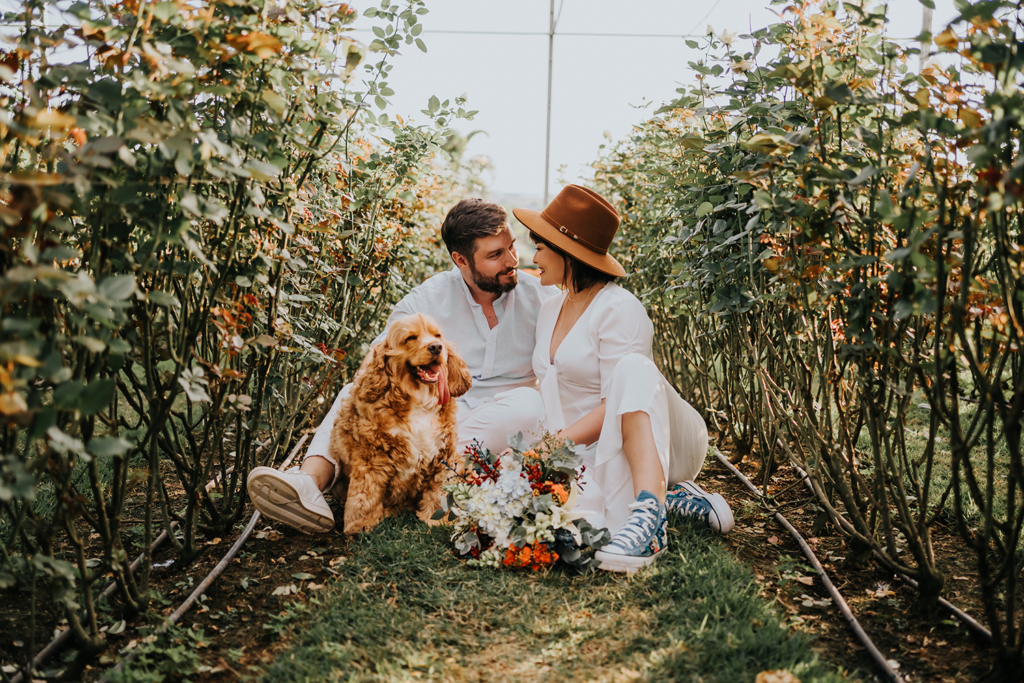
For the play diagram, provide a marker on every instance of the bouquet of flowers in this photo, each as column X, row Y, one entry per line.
column 516, row 509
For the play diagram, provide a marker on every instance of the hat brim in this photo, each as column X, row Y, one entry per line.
column 535, row 222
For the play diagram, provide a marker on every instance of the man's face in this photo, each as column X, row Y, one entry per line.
column 493, row 264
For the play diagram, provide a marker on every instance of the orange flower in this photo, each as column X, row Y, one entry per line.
column 559, row 492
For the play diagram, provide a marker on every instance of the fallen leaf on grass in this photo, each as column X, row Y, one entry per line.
column 314, row 586
column 630, row 673
column 303, row 576
column 290, row 589
column 808, row 601
column 777, row 676
column 806, row 580
column 339, row 560
column 774, row 540
column 269, row 535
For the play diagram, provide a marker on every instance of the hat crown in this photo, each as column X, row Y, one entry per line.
column 584, row 216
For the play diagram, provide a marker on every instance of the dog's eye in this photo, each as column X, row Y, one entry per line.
column 410, row 338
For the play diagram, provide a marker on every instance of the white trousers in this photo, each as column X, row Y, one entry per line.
column 490, row 423
column 680, row 434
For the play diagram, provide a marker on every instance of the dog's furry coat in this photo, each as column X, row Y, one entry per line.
column 395, row 435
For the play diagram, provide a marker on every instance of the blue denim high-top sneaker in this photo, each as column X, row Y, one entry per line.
column 640, row 541
column 690, row 500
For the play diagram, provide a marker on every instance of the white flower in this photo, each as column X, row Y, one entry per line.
column 726, row 37
column 742, row 65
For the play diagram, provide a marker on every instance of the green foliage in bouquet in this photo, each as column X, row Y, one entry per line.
column 516, row 508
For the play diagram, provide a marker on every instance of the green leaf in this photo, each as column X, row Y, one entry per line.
column 704, row 209
column 118, row 287
column 274, row 101
column 165, row 299
column 421, row 45
column 163, row 11
column 92, row 343
column 96, row 396
column 106, row 446
column 261, row 170
column 303, row 576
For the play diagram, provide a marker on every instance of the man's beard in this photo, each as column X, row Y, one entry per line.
column 494, row 285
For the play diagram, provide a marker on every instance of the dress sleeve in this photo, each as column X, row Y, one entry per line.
column 622, row 327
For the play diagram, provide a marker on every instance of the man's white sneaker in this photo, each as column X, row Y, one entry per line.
column 290, row 497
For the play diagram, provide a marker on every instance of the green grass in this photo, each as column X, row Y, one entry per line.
column 405, row 607
column 916, row 430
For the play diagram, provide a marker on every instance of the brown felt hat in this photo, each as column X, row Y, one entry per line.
column 579, row 222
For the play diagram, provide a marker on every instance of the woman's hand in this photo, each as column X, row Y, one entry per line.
column 587, row 429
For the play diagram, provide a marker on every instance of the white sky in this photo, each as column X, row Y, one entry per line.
column 598, row 84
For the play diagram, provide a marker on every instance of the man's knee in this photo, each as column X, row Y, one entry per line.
column 522, row 404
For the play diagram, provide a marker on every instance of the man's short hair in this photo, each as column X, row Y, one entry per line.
column 469, row 220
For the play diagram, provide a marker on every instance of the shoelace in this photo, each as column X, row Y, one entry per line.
column 639, row 525
column 691, row 506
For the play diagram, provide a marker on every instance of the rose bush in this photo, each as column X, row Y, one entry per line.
column 206, row 215
column 827, row 239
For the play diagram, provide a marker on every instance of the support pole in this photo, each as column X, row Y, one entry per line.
column 926, row 38
column 547, row 140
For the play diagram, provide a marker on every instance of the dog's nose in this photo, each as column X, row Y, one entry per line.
column 435, row 349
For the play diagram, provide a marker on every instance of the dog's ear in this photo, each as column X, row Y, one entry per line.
column 372, row 379
column 459, row 379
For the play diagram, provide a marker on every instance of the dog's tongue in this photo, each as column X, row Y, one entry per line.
column 442, row 387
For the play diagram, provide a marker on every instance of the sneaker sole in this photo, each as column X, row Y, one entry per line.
column 624, row 563
column 280, row 502
column 722, row 512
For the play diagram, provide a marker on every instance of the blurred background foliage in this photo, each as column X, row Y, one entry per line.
column 206, row 214
column 829, row 242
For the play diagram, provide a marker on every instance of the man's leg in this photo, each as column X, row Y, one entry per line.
column 295, row 497
column 510, row 412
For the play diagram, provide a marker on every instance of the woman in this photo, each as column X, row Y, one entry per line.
column 601, row 389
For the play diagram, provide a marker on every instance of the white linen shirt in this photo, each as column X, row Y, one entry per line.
column 498, row 358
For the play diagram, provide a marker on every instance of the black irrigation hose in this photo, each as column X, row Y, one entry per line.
column 211, row 577
column 837, row 597
column 964, row 617
column 58, row 642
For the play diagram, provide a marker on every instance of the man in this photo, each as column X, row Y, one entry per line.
column 490, row 314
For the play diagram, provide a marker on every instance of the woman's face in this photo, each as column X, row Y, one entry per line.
column 551, row 265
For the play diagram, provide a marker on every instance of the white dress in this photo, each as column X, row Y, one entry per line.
column 607, row 355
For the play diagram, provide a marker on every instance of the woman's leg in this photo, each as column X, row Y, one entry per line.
column 642, row 455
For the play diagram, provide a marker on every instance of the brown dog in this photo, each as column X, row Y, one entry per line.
column 395, row 435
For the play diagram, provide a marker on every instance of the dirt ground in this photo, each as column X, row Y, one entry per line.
column 235, row 628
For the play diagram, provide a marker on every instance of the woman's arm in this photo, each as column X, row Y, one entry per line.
column 587, row 429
